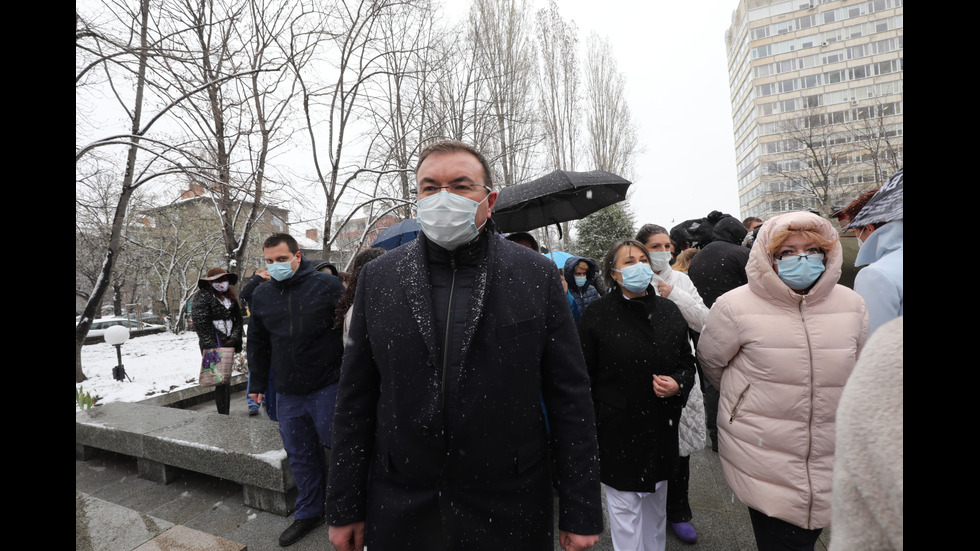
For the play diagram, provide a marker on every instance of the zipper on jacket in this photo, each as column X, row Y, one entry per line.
column 741, row 396
column 809, row 423
column 449, row 326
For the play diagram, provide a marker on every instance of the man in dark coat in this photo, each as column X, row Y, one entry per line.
column 717, row 269
column 291, row 328
column 440, row 439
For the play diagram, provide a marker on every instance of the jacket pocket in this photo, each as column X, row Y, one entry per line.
column 738, row 403
column 529, row 455
column 514, row 330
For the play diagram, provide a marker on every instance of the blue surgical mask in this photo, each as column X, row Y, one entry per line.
column 580, row 281
column 636, row 277
column 281, row 270
column 799, row 272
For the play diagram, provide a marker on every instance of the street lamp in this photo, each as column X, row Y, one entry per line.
column 116, row 336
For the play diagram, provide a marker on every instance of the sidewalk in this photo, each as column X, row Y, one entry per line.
column 115, row 510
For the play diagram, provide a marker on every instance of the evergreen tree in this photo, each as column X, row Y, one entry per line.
column 599, row 230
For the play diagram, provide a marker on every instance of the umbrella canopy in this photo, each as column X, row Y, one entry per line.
column 559, row 257
column 397, row 234
column 557, row 197
column 884, row 206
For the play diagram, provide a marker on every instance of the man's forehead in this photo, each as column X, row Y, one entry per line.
column 455, row 165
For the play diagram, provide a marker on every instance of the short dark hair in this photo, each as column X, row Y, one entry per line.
column 453, row 146
column 277, row 238
column 524, row 238
column 609, row 262
column 751, row 220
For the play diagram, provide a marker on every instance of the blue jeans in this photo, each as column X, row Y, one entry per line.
column 306, row 427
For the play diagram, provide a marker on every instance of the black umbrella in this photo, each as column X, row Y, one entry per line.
column 557, row 197
column 884, row 206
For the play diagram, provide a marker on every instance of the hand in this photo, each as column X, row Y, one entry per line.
column 264, row 274
column 257, row 398
column 664, row 288
column 665, row 386
column 575, row 542
column 347, row 538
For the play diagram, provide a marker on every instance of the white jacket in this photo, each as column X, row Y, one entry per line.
column 692, row 431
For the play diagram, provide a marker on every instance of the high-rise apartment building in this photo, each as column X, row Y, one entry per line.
column 816, row 88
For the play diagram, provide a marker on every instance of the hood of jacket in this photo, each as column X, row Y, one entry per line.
column 590, row 274
column 886, row 239
column 763, row 279
column 730, row 230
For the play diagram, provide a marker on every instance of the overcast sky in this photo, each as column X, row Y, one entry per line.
column 673, row 56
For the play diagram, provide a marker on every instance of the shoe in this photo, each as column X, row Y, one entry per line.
column 253, row 411
column 298, row 529
column 684, row 531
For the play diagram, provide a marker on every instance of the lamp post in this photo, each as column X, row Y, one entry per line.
column 116, row 336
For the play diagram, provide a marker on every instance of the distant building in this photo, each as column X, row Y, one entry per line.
column 817, row 101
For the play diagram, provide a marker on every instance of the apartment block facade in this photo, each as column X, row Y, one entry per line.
column 816, row 90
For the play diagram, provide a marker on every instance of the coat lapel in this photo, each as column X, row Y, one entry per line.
column 414, row 272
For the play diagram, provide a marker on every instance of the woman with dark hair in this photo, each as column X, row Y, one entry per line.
column 642, row 369
column 218, row 322
column 343, row 315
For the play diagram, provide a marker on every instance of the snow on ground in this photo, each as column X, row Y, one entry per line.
column 156, row 364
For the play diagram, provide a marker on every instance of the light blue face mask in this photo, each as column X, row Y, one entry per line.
column 800, row 271
column 281, row 270
column 580, row 281
column 636, row 277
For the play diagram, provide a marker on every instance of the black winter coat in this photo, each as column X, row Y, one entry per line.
column 291, row 328
column 626, row 342
column 205, row 310
column 718, row 268
column 454, row 455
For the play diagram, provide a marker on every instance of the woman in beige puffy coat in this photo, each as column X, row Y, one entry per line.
column 780, row 349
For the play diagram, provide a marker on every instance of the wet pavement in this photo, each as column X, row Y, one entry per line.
column 115, row 510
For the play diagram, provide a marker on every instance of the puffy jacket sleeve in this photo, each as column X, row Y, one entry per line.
column 203, row 320
column 719, row 342
column 880, row 294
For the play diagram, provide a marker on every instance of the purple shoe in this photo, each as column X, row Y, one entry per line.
column 684, row 531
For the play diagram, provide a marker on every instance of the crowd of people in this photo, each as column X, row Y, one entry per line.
column 463, row 379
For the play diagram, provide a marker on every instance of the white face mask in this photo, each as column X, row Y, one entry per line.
column 220, row 286
column 449, row 220
column 659, row 260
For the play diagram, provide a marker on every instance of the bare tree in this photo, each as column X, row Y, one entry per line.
column 877, row 128
column 505, row 60
column 610, row 132
column 122, row 50
column 558, row 90
column 811, row 165
column 357, row 53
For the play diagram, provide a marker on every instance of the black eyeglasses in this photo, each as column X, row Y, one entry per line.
column 801, row 257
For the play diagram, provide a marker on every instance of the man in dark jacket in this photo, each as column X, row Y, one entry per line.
column 717, row 269
column 440, row 439
column 291, row 328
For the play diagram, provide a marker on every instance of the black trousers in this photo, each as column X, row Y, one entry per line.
column 773, row 534
column 678, row 507
column 222, row 398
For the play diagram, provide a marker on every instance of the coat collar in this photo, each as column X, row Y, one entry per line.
column 413, row 268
